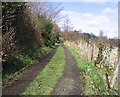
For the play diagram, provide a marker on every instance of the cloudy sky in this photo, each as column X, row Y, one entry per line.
column 93, row 16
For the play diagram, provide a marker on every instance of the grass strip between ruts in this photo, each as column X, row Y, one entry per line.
column 46, row 80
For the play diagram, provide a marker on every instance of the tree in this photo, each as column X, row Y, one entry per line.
column 47, row 13
column 67, row 26
column 101, row 33
column 10, row 13
column 46, row 9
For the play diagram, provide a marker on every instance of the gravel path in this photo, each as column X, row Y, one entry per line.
column 70, row 83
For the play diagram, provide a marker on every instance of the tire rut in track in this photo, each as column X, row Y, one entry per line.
column 28, row 76
column 70, row 83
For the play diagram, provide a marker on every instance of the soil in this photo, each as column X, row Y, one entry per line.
column 70, row 83
column 30, row 73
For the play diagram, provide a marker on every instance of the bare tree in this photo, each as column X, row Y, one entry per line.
column 67, row 26
column 101, row 33
column 47, row 9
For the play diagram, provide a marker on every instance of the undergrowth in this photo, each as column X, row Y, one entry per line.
column 95, row 82
column 16, row 66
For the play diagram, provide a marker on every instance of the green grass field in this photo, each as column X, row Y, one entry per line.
column 46, row 80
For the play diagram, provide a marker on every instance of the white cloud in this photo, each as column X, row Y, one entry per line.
column 88, row 15
column 89, row 22
column 62, row 0
column 109, row 10
column 99, row 0
column 81, row 0
column 94, row 0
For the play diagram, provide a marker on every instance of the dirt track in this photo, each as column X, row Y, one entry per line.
column 70, row 83
column 27, row 77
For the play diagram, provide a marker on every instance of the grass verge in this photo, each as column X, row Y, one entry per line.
column 13, row 70
column 49, row 76
column 95, row 82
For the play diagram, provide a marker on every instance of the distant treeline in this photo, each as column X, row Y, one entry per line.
column 90, row 38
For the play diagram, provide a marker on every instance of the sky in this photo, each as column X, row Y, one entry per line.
column 91, row 17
